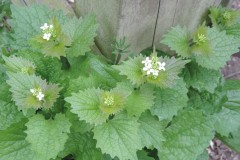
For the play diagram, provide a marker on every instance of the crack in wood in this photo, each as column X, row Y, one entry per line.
column 25, row 3
column 159, row 4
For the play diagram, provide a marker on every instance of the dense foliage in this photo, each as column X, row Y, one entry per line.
column 59, row 100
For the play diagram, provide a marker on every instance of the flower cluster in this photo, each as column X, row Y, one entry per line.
column 109, row 100
column 153, row 66
column 201, row 39
column 37, row 92
column 47, row 31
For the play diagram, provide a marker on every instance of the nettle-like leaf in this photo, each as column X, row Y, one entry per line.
column 13, row 145
column 226, row 121
column 133, row 69
column 151, row 130
column 18, row 64
column 47, row 137
column 119, row 137
column 222, row 47
column 222, row 18
column 77, row 125
column 142, row 155
column 201, row 78
column 233, row 141
column 86, row 105
column 82, row 147
column 140, row 100
column 82, row 33
column 170, row 100
column 209, row 103
column 48, row 68
column 178, row 40
column 232, row 87
column 94, row 67
column 233, row 30
column 9, row 113
column 28, row 20
column 21, row 86
column 95, row 105
column 187, row 136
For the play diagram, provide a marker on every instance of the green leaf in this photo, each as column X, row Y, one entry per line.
column 133, row 69
column 95, row 67
column 13, row 145
column 82, row 83
column 78, row 126
column 119, row 137
column 142, row 155
column 201, row 78
column 232, row 87
column 151, row 131
column 222, row 47
column 233, row 30
column 227, row 120
column 222, row 17
column 86, row 105
column 21, row 85
column 18, row 64
column 140, row 100
column 209, row 103
column 83, row 37
column 48, row 68
column 170, row 100
column 187, row 136
column 178, row 40
column 82, row 147
column 233, row 141
column 27, row 22
column 203, row 156
column 8, row 114
column 47, row 137
column 95, row 105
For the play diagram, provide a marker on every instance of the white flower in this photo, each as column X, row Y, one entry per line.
column 47, row 36
column 161, row 66
column 44, row 27
column 37, row 92
column 47, row 31
column 153, row 66
column 147, row 61
column 51, row 26
column 32, row 91
column 155, row 72
column 40, row 96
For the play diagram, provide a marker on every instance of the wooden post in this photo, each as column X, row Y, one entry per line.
column 137, row 19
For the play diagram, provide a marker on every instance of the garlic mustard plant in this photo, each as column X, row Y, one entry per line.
column 60, row 100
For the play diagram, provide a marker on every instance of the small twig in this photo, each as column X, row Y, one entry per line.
column 232, row 75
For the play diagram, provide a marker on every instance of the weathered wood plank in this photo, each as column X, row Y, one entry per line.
column 57, row 4
column 187, row 13
column 134, row 19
